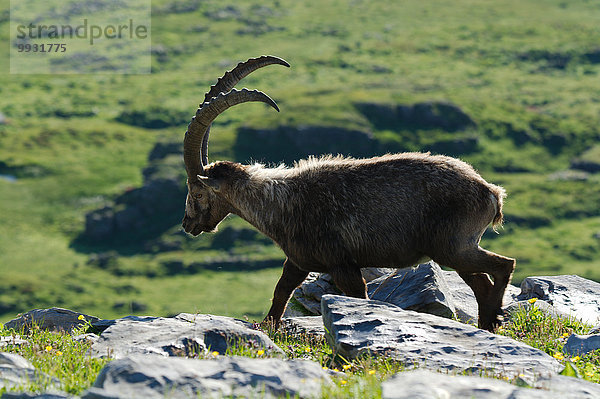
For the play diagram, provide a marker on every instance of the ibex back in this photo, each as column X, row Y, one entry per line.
column 338, row 215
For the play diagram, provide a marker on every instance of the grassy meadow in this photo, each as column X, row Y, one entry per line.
column 527, row 73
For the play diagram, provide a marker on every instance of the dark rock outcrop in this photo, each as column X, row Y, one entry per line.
column 288, row 143
column 53, row 319
column 425, row 115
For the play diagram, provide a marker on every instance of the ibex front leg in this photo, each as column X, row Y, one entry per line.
column 290, row 279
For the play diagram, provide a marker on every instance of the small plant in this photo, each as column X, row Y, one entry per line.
column 531, row 325
column 56, row 355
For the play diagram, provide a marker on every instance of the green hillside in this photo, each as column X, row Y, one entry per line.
column 512, row 87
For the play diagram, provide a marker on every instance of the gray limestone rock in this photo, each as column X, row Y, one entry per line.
column 309, row 294
column 11, row 340
column 29, row 395
column 53, row 319
column 16, row 371
column 176, row 337
column 372, row 273
column 568, row 387
column 422, row 289
column 424, row 384
column 358, row 326
column 198, row 317
column 425, row 288
column 581, row 344
column 147, row 376
column 540, row 304
column 311, row 325
column 568, row 294
column 86, row 338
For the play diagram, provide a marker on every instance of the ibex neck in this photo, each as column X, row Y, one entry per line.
column 264, row 198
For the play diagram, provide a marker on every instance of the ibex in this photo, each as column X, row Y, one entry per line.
column 337, row 215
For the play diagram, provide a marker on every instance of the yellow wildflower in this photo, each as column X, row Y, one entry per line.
column 343, row 382
column 336, row 369
column 58, row 353
column 589, row 374
column 346, row 367
column 215, row 353
column 48, row 348
column 325, row 368
column 576, row 358
column 307, row 349
column 81, row 317
column 532, row 300
column 565, row 335
column 558, row 356
column 371, row 372
column 260, row 352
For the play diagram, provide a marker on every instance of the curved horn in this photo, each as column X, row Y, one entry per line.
column 229, row 80
column 243, row 69
column 205, row 115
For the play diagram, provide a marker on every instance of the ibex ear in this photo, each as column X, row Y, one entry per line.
column 210, row 183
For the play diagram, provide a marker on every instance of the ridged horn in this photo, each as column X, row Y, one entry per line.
column 205, row 115
column 228, row 81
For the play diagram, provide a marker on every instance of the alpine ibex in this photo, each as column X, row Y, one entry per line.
column 338, row 215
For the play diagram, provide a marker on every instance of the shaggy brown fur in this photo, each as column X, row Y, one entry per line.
column 337, row 215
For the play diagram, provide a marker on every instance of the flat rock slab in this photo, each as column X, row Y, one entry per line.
column 53, row 319
column 568, row 387
column 358, row 326
column 11, row 340
column 421, row 288
column 581, row 344
column 542, row 305
column 309, row 294
column 176, row 337
column 423, row 384
column 569, row 294
column 199, row 317
column 147, row 376
column 16, row 371
column 311, row 325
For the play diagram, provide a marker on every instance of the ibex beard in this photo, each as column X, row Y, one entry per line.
column 337, row 215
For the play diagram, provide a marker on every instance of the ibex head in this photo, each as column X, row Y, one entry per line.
column 205, row 207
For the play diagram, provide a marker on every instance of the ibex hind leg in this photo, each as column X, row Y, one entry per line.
column 290, row 279
column 482, row 287
column 471, row 263
column 350, row 281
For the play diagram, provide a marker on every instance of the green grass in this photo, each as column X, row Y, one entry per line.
column 525, row 71
column 56, row 355
column 549, row 334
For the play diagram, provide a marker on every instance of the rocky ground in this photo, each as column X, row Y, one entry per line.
column 420, row 316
